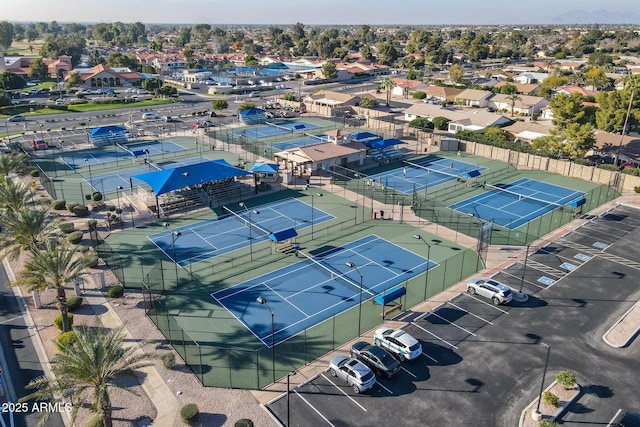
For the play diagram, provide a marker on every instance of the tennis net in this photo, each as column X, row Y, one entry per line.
column 333, row 274
column 520, row 197
column 154, row 166
column 126, row 150
column 288, row 130
column 435, row 171
column 245, row 222
column 319, row 138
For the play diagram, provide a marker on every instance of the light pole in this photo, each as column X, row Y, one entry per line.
column 90, row 176
column 312, row 209
column 426, row 274
column 174, row 234
column 352, row 265
column 118, row 188
column 243, row 205
column 273, row 336
column 290, row 374
column 524, row 270
column 536, row 414
column 184, row 175
column 121, row 188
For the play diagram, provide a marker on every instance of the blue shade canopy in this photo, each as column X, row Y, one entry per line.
column 471, row 174
column 184, row 176
column 364, row 135
column 385, row 143
column 265, row 167
column 283, row 235
column 106, row 130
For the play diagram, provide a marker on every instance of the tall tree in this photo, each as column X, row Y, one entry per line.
column 53, row 265
column 25, row 229
column 6, row 34
column 513, row 98
column 387, row 85
column 38, row 69
column 455, row 73
column 329, row 70
column 87, row 371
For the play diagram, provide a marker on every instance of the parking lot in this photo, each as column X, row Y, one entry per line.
column 482, row 364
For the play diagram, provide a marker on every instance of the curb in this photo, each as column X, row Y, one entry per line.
column 616, row 323
column 560, row 410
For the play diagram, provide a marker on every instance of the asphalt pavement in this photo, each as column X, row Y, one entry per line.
column 19, row 361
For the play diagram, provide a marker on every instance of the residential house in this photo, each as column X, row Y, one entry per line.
column 460, row 118
column 442, row 93
column 404, row 87
column 525, row 106
column 522, row 88
column 325, row 101
column 625, row 147
column 527, row 132
column 530, row 77
column 568, row 90
column 473, row 98
column 102, row 76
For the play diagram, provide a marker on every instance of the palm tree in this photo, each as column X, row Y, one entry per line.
column 387, row 85
column 51, row 266
column 13, row 164
column 25, row 229
column 514, row 97
column 89, row 368
column 15, row 196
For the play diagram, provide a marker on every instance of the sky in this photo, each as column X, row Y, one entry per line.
column 342, row 12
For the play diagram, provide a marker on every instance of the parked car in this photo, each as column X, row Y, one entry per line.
column 398, row 342
column 39, row 144
column 254, row 94
column 497, row 292
column 16, row 118
column 204, row 124
column 167, row 119
column 376, row 358
column 59, row 101
column 353, row 372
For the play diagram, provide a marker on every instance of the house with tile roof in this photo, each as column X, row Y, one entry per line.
column 103, row 76
column 460, row 118
column 525, row 106
column 442, row 93
column 473, row 98
column 530, row 77
column 625, row 147
column 522, row 88
column 405, row 86
column 527, row 132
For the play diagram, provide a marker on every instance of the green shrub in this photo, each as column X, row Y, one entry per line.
column 636, row 189
column 631, row 171
column 57, row 321
column 421, row 123
column 92, row 224
column 67, row 227
column 608, row 167
column 58, row 205
column 111, row 208
column 566, row 379
column 115, row 291
column 75, row 237
column 168, row 360
column 547, row 422
column 245, row 422
column 66, row 339
column 189, row 413
column 419, row 95
column 71, row 205
column 440, row 123
column 97, row 196
column 95, row 421
column 34, row 173
column 87, row 197
column 92, row 261
column 81, row 211
column 118, row 211
column 550, row 398
column 74, row 302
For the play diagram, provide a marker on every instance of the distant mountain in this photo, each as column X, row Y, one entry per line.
column 590, row 17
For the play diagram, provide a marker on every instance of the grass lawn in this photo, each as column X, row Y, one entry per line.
column 84, row 108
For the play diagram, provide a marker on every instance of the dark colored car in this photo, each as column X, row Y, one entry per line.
column 627, row 419
column 39, row 144
column 376, row 358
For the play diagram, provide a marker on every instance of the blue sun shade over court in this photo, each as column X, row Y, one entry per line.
column 513, row 205
column 306, row 293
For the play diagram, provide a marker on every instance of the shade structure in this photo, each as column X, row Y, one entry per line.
column 168, row 180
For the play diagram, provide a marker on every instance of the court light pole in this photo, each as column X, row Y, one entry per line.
column 174, row 234
column 273, row 336
column 312, row 209
column 184, row 175
column 426, row 274
column 90, row 176
column 352, row 265
column 118, row 188
column 289, row 375
column 536, row 415
column 521, row 296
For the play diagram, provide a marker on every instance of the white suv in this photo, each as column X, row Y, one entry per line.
column 150, row 116
column 492, row 289
column 398, row 342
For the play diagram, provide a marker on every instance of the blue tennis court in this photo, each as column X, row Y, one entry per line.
column 423, row 175
column 109, row 183
column 515, row 204
column 308, row 292
column 279, row 128
column 301, row 142
column 117, row 153
column 217, row 236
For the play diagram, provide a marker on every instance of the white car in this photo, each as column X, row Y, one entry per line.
column 353, row 372
column 150, row 116
column 497, row 292
column 398, row 342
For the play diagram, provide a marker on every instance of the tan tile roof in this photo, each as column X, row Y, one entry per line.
column 330, row 150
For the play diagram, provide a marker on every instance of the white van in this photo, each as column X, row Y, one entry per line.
column 150, row 116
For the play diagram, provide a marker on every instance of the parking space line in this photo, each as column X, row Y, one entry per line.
column 313, row 407
column 470, row 313
column 520, row 278
column 343, row 392
column 485, row 303
column 409, row 372
column 423, row 315
column 432, row 359
column 452, row 323
column 382, row 385
column 431, row 333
